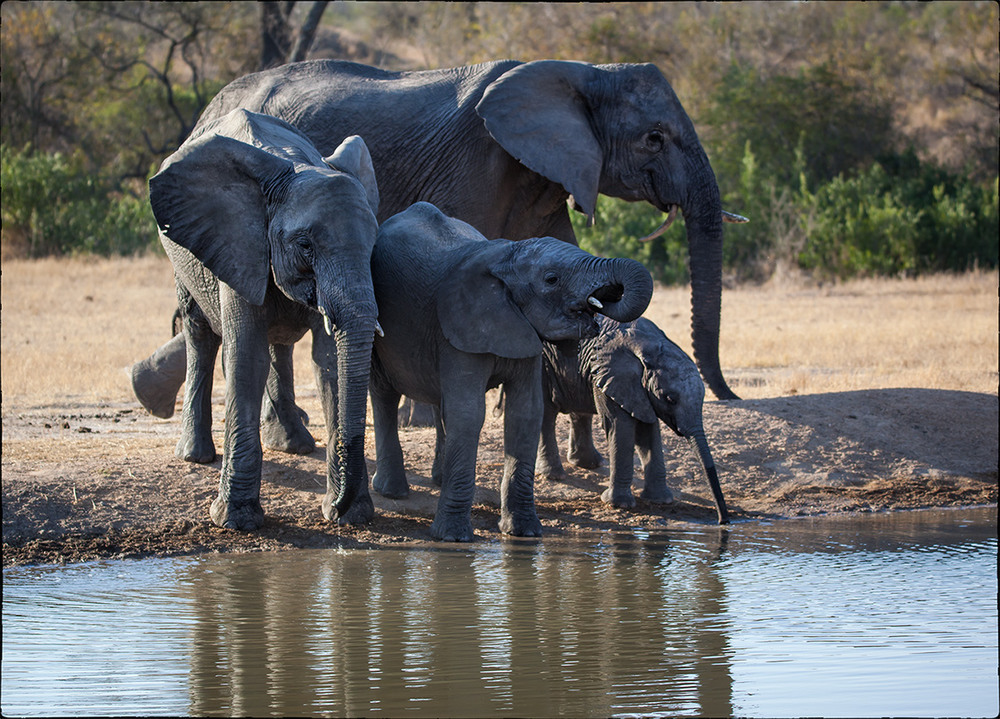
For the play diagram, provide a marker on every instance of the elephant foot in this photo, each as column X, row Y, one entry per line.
column 619, row 499
column 200, row 450
column 360, row 511
column 585, row 457
column 156, row 400
column 555, row 474
column 657, row 493
column 291, row 440
column 521, row 524
column 286, row 432
column 452, row 527
column 243, row 516
column 392, row 487
column 157, row 379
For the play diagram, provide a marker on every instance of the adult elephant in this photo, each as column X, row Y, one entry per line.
column 268, row 240
column 502, row 146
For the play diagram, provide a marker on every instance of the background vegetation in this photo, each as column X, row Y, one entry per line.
column 861, row 138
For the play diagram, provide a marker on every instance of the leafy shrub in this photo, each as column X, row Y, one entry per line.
column 618, row 225
column 901, row 216
column 58, row 207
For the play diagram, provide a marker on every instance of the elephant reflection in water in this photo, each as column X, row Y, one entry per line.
column 532, row 630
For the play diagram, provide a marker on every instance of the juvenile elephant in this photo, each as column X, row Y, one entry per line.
column 268, row 240
column 633, row 377
column 462, row 315
column 502, row 146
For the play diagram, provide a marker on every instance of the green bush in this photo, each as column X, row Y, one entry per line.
column 901, row 216
column 59, row 207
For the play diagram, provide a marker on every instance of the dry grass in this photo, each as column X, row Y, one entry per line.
column 938, row 332
column 71, row 327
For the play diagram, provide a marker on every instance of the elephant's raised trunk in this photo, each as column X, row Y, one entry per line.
column 700, row 445
column 627, row 292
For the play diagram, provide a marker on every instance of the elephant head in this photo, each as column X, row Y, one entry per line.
column 541, row 287
column 272, row 208
column 620, row 130
column 651, row 378
column 248, row 215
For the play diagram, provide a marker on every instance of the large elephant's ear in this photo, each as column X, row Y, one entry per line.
column 208, row 199
column 352, row 157
column 617, row 372
column 538, row 113
column 476, row 312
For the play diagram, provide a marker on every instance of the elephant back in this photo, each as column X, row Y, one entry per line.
column 419, row 241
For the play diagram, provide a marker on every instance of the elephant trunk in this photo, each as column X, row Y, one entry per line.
column 700, row 446
column 703, row 218
column 348, row 473
column 627, row 293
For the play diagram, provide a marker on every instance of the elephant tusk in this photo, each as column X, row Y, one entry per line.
column 378, row 329
column 595, row 302
column 662, row 228
column 734, row 218
column 327, row 322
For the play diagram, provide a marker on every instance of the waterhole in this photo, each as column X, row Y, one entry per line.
column 873, row 615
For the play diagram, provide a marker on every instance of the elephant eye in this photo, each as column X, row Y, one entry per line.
column 654, row 141
column 303, row 245
column 551, row 278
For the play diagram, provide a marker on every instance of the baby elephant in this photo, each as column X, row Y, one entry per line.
column 633, row 376
column 463, row 314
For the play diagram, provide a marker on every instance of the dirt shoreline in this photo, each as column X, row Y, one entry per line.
column 89, row 481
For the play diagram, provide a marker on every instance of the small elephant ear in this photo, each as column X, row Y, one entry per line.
column 353, row 158
column 538, row 113
column 208, row 199
column 476, row 312
column 617, row 372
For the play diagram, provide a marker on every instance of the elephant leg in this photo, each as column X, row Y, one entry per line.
column 202, row 347
column 437, row 468
column 649, row 444
column 547, row 463
column 390, row 475
column 281, row 424
column 157, row 379
column 620, row 431
column 416, row 414
column 582, row 451
column 522, row 425
column 463, row 411
column 245, row 356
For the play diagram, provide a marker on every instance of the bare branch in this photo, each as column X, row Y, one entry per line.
column 307, row 33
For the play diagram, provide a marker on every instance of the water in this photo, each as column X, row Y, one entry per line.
column 862, row 616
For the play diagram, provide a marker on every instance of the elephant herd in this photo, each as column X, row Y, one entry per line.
column 366, row 206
